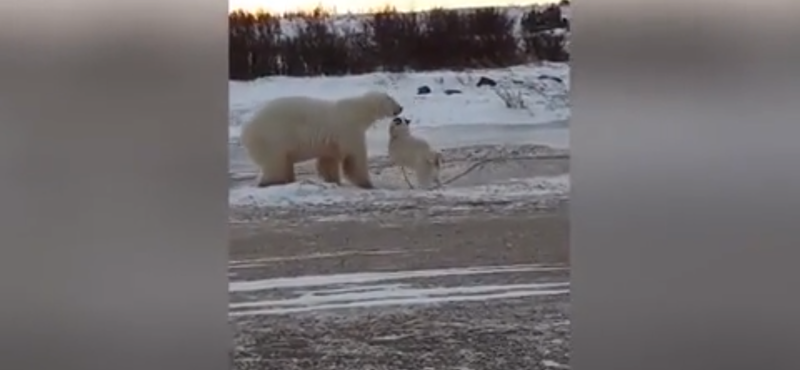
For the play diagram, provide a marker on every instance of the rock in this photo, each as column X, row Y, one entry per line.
column 452, row 91
column 422, row 90
column 486, row 81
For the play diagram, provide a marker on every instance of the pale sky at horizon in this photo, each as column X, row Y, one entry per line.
column 343, row 6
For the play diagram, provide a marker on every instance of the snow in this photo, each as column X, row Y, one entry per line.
column 354, row 290
column 408, row 298
column 371, row 277
column 316, row 193
column 391, row 291
column 554, row 365
column 473, row 106
column 475, row 116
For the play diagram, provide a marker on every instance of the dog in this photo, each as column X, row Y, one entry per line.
column 409, row 151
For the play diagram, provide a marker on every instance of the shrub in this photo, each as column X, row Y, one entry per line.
column 319, row 43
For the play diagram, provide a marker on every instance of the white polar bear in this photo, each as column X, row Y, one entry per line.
column 294, row 129
column 407, row 150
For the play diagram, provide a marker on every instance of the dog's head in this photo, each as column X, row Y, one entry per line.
column 399, row 126
column 401, row 121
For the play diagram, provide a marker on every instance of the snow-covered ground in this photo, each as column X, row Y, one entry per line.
column 543, row 90
column 529, row 105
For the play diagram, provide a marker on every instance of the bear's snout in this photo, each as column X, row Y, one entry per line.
column 398, row 110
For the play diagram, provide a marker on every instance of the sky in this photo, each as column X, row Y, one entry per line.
column 344, row 6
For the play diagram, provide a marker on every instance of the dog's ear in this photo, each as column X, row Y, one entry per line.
column 398, row 121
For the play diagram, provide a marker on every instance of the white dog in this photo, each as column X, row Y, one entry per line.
column 409, row 151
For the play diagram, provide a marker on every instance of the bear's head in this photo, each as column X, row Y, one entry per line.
column 364, row 110
column 383, row 104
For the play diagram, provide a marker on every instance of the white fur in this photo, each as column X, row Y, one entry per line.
column 294, row 129
column 409, row 151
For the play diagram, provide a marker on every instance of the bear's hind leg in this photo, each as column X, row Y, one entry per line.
column 288, row 169
column 328, row 170
column 272, row 165
column 279, row 173
column 356, row 170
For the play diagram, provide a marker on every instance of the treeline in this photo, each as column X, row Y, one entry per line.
column 318, row 43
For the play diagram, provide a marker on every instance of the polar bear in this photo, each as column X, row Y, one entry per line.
column 294, row 129
column 407, row 150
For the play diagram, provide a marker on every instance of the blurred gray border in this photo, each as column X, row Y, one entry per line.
column 113, row 156
column 686, row 175
column 113, row 160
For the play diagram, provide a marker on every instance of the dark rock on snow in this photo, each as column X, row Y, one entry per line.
column 486, row 81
